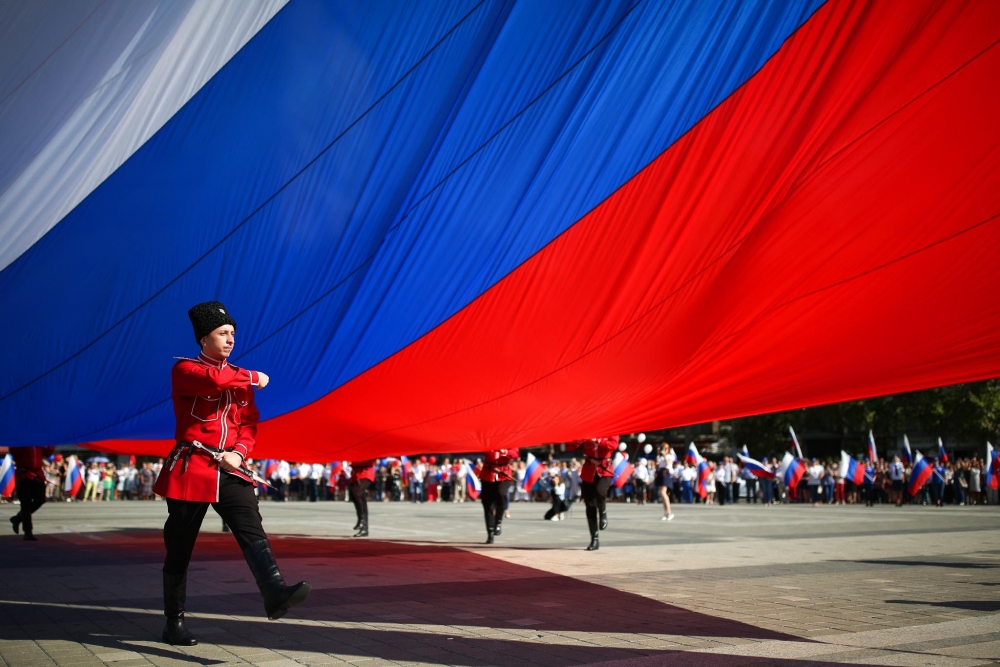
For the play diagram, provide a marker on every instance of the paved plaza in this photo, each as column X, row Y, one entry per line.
column 718, row 586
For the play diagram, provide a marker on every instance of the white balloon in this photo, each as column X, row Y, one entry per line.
column 622, row 447
column 647, row 449
column 641, row 438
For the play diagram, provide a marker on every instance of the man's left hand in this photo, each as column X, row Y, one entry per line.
column 229, row 461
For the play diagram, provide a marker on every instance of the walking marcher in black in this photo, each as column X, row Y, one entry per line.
column 362, row 476
column 29, row 479
column 216, row 429
column 496, row 478
column 596, row 478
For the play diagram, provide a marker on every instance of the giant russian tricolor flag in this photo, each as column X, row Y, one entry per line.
column 872, row 452
column 7, row 485
column 850, row 469
column 74, row 478
column 623, row 469
column 791, row 471
column 921, row 472
column 533, row 472
column 907, row 454
column 992, row 467
column 472, row 484
column 756, row 468
column 503, row 216
column 692, row 456
column 942, row 452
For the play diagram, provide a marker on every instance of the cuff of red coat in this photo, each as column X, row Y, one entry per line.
column 254, row 378
column 242, row 450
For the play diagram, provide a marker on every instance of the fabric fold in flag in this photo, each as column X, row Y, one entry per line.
column 704, row 474
column 942, row 452
column 872, row 452
column 74, row 480
column 906, row 454
column 692, row 456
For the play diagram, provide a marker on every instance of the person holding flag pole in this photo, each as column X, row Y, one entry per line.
column 496, row 478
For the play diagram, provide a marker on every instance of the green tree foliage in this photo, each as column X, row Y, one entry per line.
column 964, row 411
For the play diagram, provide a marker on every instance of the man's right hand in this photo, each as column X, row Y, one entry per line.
column 262, row 380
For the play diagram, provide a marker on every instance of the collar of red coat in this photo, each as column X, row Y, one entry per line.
column 211, row 361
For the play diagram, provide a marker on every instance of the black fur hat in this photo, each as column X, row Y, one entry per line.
column 207, row 317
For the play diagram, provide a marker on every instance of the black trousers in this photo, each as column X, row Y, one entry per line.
column 752, row 490
column 494, row 497
column 31, row 493
column 594, row 497
column 359, row 496
column 238, row 508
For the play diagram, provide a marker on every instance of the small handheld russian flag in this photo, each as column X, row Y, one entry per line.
column 532, row 472
column 756, row 468
column 791, row 471
column 704, row 473
column 942, row 454
column 992, row 467
column 872, row 453
column 472, row 484
column 74, row 480
column 623, row 469
column 692, row 456
column 922, row 471
column 907, row 455
column 795, row 441
column 850, row 469
column 7, row 485
column 336, row 467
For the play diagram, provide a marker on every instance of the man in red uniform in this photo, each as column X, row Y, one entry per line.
column 497, row 479
column 29, row 478
column 595, row 480
column 216, row 428
column 362, row 476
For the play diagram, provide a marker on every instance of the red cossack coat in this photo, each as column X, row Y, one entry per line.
column 496, row 465
column 362, row 470
column 214, row 405
column 598, row 455
column 29, row 462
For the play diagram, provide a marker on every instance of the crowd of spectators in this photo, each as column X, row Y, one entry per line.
column 429, row 479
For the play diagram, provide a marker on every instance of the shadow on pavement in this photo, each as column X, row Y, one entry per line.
column 398, row 601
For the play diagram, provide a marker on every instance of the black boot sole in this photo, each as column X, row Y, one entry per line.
column 593, row 546
column 188, row 642
column 298, row 596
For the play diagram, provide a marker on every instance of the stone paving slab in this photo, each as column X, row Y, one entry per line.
column 738, row 585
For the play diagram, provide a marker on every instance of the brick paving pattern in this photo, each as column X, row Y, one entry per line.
column 717, row 586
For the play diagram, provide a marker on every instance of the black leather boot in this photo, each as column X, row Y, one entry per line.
column 174, row 595
column 594, row 543
column 278, row 597
column 357, row 526
column 604, row 520
column 15, row 523
column 362, row 529
column 496, row 531
column 489, row 537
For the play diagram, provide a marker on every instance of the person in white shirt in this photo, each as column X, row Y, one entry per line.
column 417, row 473
column 558, row 496
column 460, row 472
column 815, row 472
column 719, row 481
column 315, row 476
column 640, row 479
column 896, row 477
